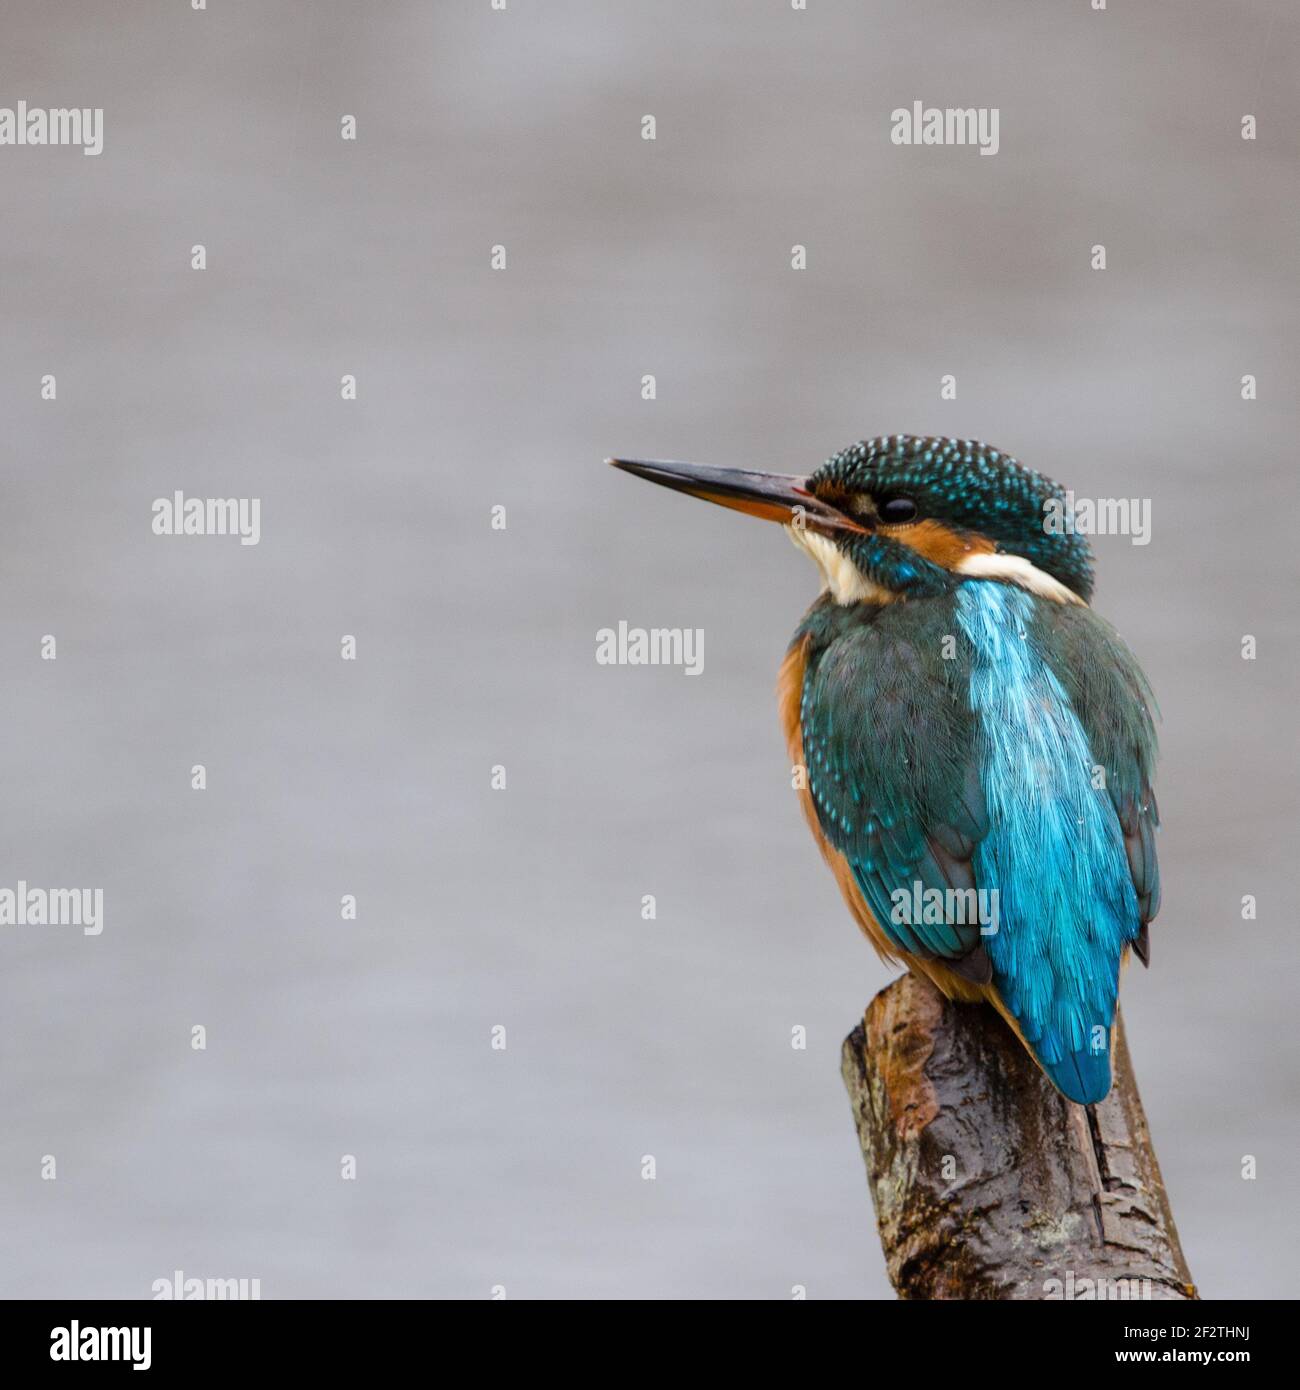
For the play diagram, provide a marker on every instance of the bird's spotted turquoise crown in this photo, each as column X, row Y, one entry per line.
column 970, row 486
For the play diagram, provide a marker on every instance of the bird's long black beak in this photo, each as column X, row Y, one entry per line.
column 773, row 496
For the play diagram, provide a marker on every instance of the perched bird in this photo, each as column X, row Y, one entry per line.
column 974, row 735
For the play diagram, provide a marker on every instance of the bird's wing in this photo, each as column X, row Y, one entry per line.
column 962, row 745
column 889, row 742
column 1115, row 706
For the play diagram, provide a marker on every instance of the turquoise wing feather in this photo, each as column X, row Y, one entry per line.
column 1001, row 742
column 1113, row 700
column 889, row 740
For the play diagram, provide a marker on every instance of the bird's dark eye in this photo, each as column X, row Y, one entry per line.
column 897, row 509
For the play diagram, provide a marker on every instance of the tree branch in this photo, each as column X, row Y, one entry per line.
column 989, row 1184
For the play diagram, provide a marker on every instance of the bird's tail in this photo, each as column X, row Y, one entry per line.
column 1081, row 1073
column 1083, row 1076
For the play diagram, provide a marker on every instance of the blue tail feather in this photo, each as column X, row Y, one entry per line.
column 1080, row 1076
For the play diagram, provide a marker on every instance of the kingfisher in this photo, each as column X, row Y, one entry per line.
column 969, row 731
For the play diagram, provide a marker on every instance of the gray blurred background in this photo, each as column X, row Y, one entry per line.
column 476, row 647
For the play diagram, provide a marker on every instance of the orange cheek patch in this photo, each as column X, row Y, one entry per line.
column 939, row 543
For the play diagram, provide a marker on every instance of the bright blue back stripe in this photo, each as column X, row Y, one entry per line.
column 1054, row 851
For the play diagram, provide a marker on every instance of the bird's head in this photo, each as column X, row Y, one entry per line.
column 905, row 516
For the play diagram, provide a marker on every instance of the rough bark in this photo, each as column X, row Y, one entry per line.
column 989, row 1184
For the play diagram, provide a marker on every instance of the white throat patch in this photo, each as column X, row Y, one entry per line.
column 841, row 578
